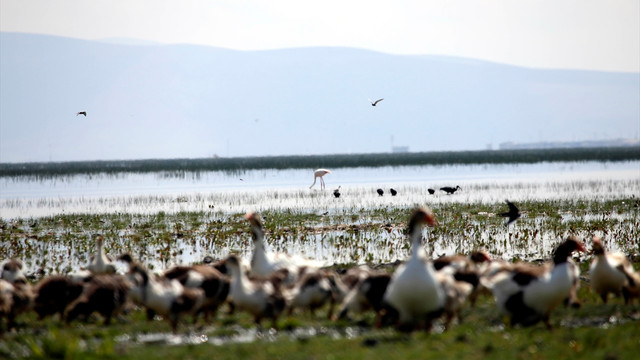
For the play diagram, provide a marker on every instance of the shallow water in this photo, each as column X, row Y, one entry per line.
column 260, row 190
column 218, row 195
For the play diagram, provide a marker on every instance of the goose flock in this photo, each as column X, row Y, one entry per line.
column 418, row 293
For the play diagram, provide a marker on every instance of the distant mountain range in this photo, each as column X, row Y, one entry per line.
column 187, row 101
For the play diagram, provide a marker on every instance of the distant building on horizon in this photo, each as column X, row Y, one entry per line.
column 570, row 144
column 399, row 149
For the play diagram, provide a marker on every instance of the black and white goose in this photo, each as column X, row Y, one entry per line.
column 464, row 268
column 259, row 297
column 528, row 293
column 414, row 290
column 608, row 272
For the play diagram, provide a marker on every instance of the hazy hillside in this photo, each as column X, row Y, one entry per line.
column 190, row 101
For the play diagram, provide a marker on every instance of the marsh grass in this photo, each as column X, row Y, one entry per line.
column 595, row 331
column 58, row 244
column 359, row 227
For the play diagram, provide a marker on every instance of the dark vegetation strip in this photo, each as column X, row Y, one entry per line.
column 50, row 169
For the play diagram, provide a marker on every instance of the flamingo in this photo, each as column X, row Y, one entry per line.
column 319, row 174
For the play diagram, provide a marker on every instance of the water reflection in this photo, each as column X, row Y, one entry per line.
column 282, row 189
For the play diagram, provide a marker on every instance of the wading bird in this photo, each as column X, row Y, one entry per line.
column 513, row 214
column 450, row 190
column 431, row 191
column 336, row 192
column 380, row 192
column 393, row 191
column 319, row 174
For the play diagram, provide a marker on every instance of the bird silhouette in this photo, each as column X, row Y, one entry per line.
column 513, row 214
column 374, row 103
column 393, row 192
column 319, row 174
column 336, row 192
column 431, row 191
column 450, row 190
column 82, row 113
column 380, row 192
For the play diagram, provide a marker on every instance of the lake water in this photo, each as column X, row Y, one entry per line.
column 220, row 193
column 289, row 189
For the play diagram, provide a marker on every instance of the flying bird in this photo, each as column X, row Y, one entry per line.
column 374, row 103
column 82, row 113
column 319, row 174
column 393, row 191
column 513, row 214
column 450, row 190
column 380, row 192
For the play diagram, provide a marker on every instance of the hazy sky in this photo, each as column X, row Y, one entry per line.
column 574, row 34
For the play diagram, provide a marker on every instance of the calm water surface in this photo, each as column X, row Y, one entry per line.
column 262, row 189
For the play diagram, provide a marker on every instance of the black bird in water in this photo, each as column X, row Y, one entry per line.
column 513, row 214
column 450, row 190
column 431, row 191
column 374, row 103
column 82, row 113
column 336, row 192
column 393, row 192
column 380, row 192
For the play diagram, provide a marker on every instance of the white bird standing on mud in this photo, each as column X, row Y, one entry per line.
column 319, row 174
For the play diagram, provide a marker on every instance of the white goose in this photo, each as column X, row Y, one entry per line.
column 260, row 298
column 529, row 293
column 414, row 291
column 608, row 272
column 100, row 263
column 264, row 263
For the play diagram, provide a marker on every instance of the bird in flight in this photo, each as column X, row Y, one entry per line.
column 374, row 103
column 513, row 214
column 82, row 113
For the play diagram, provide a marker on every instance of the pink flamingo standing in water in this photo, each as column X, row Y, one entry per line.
column 319, row 174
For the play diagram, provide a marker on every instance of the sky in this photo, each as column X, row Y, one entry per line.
column 567, row 34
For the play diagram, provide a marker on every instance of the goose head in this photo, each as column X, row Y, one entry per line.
column 256, row 225
column 598, row 248
column 419, row 218
column 564, row 250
